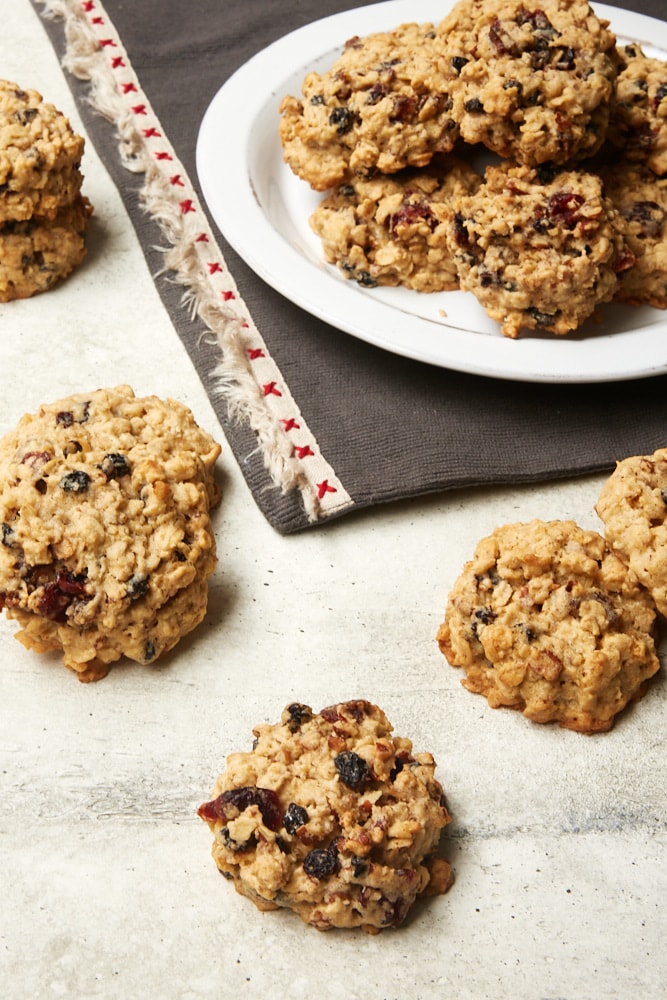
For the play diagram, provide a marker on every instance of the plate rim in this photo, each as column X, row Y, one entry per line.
column 237, row 209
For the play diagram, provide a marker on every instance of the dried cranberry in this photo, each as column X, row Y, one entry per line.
column 564, row 208
column 500, row 39
column 75, row 482
column 404, row 108
column 321, row 863
column 295, row 817
column 352, row 769
column 57, row 596
column 375, row 94
column 409, row 213
column 115, row 465
column 236, row 800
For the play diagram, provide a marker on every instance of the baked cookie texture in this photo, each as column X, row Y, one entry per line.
column 546, row 619
column 331, row 816
column 538, row 247
column 43, row 215
column 632, row 505
column 531, row 83
column 638, row 120
column 107, row 542
column 640, row 199
column 382, row 106
column 40, row 155
column 390, row 230
column 38, row 252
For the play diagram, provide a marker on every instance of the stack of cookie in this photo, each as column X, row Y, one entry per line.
column 570, row 213
column 43, row 215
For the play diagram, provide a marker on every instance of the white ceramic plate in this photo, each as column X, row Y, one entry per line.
column 262, row 209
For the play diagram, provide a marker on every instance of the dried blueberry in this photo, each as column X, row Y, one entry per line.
column 474, row 106
column 7, row 535
column 458, row 62
column 366, row 280
column 343, row 119
column 352, row 769
column 75, row 482
column 359, row 867
column 115, row 465
column 295, row 715
column 320, row 863
column 149, row 650
column 295, row 817
column 137, row 586
column 485, row 615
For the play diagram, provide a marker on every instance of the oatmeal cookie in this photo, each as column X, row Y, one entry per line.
column 532, row 83
column 640, row 199
column 383, row 105
column 537, row 247
column 37, row 253
column 638, row 120
column 391, row 230
column 331, row 816
column 107, row 543
column 546, row 619
column 40, row 156
column 633, row 508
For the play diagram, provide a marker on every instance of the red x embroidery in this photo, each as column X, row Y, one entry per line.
column 117, row 63
column 108, row 42
column 255, row 352
column 139, row 109
column 214, row 267
column 176, row 180
column 152, row 133
column 202, row 238
column 187, row 206
column 129, row 88
column 227, row 296
column 303, row 451
column 290, row 424
column 98, row 20
column 270, row 389
column 88, row 6
column 323, row 488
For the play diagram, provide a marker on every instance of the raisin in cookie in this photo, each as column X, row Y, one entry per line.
column 546, row 619
column 638, row 120
column 640, row 199
column 537, row 247
column 633, row 508
column 383, row 105
column 532, row 82
column 107, row 543
column 391, row 230
column 40, row 156
column 37, row 253
column 331, row 816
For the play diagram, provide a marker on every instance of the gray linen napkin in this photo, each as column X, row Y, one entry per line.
column 388, row 427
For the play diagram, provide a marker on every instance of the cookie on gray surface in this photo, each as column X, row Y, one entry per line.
column 107, row 542
column 390, row 230
column 382, row 106
column 546, row 619
column 531, row 83
column 633, row 508
column 538, row 247
column 331, row 816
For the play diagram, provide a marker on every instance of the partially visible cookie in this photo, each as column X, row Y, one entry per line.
column 640, row 199
column 638, row 122
column 537, row 247
column 546, row 619
column 38, row 252
column 40, row 156
column 532, row 82
column 331, row 816
column 107, row 543
column 390, row 230
column 633, row 508
column 382, row 106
